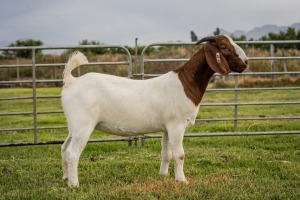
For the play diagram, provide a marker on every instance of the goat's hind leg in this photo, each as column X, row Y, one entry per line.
column 63, row 156
column 77, row 143
column 166, row 155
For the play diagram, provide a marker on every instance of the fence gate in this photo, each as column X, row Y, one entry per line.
column 34, row 98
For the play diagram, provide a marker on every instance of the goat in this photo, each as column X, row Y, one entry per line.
column 168, row 103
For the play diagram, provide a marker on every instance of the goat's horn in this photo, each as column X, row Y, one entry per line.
column 207, row 39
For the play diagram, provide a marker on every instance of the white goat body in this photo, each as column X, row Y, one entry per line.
column 126, row 107
column 168, row 103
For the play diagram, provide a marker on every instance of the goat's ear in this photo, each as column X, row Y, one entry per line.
column 215, row 59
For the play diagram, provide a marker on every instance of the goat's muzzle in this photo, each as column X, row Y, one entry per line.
column 243, row 68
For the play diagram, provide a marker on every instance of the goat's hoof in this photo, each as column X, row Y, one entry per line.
column 73, row 185
column 163, row 174
column 185, row 182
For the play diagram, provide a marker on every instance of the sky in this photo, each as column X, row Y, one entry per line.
column 119, row 22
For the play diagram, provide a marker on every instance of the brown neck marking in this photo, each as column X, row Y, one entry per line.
column 194, row 76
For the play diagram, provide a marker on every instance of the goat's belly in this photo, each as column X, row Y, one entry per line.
column 124, row 130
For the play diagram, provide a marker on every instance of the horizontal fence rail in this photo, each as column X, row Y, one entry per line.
column 142, row 75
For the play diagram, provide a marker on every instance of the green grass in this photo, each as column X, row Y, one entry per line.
column 260, row 167
column 256, row 167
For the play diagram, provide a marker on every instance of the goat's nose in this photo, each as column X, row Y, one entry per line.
column 246, row 61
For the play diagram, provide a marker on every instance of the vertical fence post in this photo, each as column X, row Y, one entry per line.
column 129, row 141
column 18, row 70
column 136, row 56
column 143, row 140
column 236, row 85
column 143, row 64
column 272, row 61
column 129, row 60
column 35, row 138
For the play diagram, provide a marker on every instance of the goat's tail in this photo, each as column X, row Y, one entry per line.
column 76, row 59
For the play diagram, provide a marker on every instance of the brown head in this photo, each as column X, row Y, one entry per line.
column 223, row 55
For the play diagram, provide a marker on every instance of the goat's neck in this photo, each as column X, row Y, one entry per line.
column 194, row 76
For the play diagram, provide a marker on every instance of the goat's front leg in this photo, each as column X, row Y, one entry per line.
column 176, row 134
column 166, row 155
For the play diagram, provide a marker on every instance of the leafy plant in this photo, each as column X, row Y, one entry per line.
column 24, row 43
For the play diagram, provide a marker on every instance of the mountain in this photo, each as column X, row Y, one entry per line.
column 258, row 32
column 296, row 26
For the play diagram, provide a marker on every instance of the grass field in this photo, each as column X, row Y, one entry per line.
column 264, row 167
column 256, row 167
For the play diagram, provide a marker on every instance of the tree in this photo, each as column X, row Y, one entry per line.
column 24, row 43
column 93, row 50
column 241, row 38
column 289, row 34
column 194, row 37
column 217, row 32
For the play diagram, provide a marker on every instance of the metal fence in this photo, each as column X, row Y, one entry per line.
column 128, row 62
column 34, row 81
column 236, row 89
